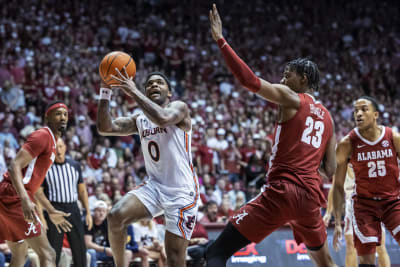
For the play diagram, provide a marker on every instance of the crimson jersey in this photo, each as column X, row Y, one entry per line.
column 41, row 144
column 299, row 146
column 375, row 165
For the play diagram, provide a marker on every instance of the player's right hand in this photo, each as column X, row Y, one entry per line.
column 58, row 219
column 29, row 210
column 216, row 24
column 337, row 237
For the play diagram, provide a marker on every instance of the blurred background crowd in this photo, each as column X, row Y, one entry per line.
column 51, row 50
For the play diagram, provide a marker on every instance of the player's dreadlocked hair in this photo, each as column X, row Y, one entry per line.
column 307, row 67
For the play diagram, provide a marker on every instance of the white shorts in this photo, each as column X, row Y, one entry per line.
column 179, row 206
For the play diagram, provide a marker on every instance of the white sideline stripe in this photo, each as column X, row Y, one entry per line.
column 364, row 239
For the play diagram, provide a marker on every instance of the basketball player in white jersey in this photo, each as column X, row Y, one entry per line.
column 164, row 128
column 351, row 255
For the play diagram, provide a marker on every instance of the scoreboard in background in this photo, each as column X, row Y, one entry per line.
column 280, row 250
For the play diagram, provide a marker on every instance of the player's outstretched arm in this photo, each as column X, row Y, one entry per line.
column 173, row 114
column 56, row 216
column 343, row 152
column 120, row 126
column 276, row 93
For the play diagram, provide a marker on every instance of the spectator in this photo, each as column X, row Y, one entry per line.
column 137, row 251
column 211, row 213
column 97, row 237
column 146, row 235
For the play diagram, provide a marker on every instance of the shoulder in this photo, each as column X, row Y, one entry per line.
column 73, row 163
column 346, row 141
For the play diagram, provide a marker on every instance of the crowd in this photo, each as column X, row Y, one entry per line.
column 51, row 50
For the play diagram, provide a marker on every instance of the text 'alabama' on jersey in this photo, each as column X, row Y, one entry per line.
column 299, row 146
column 167, row 154
column 375, row 165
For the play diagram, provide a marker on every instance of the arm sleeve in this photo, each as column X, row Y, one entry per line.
column 37, row 143
column 79, row 169
column 240, row 70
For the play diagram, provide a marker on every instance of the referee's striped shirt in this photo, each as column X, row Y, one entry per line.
column 61, row 183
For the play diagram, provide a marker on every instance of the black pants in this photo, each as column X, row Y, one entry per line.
column 75, row 237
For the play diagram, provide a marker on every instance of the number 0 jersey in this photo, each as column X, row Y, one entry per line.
column 299, row 146
column 167, row 154
column 375, row 165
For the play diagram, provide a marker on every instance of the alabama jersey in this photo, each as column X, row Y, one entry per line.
column 299, row 146
column 375, row 165
column 41, row 144
column 167, row 154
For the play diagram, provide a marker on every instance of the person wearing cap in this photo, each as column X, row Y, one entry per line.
column 96, row 238
column 18, row 213
column 67, row 172
column 83, row 130
column 165, row 130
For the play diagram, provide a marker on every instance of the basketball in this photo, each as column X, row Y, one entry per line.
column 116, row 59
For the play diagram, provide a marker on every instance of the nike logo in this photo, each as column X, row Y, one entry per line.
column 360, row 146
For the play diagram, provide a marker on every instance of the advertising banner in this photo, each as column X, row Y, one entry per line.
column 280, row 250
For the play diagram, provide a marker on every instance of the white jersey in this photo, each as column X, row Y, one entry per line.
column 167, row 154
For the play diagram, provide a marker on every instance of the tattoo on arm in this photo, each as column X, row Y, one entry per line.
column 124, row 125
column 119, row 126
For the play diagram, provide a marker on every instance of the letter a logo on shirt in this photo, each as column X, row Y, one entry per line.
column 32, row 229
column 240, row 216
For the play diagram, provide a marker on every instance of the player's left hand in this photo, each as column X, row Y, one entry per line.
column 337, row 237
column 89, row 221
column 58, row 219
column 126, row 83
column 216, row 24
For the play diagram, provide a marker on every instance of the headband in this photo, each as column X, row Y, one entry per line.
column 56, row 105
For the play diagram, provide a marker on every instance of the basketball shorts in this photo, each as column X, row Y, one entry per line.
column 13, row 225
column 367, row 219
column 178, row 205
column 281, row 203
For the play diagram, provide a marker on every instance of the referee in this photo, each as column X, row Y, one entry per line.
column 62, row 187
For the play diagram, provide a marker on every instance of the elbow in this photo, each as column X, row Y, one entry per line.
column 101, row 130
column 162, row 121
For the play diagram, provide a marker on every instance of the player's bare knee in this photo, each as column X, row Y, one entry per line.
column 115, row 218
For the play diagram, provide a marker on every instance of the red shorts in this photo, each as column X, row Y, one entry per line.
column 13, row 226
column 367, row 219
column 279, row 204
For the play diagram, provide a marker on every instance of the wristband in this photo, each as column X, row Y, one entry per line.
column 104, row 249
column 105, row 93
column 221, row 43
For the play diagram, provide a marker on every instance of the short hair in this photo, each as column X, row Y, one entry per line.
column 52, row 103
column 211, row 202
column 307, row 67
column 160, row 74
column 373, row 101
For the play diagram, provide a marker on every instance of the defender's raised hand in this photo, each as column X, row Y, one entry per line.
column 216, row 24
